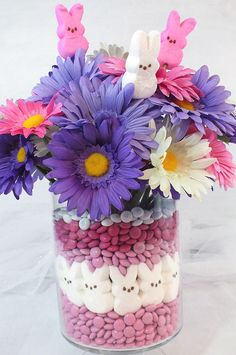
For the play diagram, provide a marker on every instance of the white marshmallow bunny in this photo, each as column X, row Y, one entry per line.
column 70, row 280
column 142, row 64
column 125, row 289
column 151, row 284
column 97, row 289
column 170, row 274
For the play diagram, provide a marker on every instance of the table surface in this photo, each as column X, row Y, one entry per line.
column 29, row 320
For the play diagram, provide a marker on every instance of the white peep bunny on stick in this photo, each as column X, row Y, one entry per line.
column 142, row 64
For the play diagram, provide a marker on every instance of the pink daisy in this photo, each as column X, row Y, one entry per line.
column 113, row 66
column 223, row 169
column 26, row 118
column 178, row 83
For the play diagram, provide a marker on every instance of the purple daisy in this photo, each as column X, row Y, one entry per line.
column 210, row 111
column 17, row 165
column 95, row 168
column 93, row 100
column 70, row 69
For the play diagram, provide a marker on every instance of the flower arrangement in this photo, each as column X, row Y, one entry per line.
column 105, row 126
column 120, row 136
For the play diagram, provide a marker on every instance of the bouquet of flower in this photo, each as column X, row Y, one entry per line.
column 112, row 128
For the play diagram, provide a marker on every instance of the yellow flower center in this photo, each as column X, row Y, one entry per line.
column 33, row 121
column 96, row 165
column 170, row 162
column 21, row 155
column 185, row 104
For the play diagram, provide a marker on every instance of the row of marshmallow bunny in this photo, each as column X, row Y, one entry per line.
column 106, row 288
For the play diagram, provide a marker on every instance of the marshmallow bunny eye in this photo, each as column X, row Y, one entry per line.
column 152, row 284
column 149, row 65
column 95, row 286
column 124, row 288
column 75, row 28
column 86, row 285
column 140, row 66
column 168, row 38
column 132, row 288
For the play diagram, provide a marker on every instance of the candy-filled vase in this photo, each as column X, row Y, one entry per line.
column 118, row 278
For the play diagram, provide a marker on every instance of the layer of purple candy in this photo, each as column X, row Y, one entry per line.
column 120, row 245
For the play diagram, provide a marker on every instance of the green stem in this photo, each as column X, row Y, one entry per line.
column 44, row 171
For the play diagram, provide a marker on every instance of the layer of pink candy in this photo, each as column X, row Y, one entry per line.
column 147, row 326
column 120, row 245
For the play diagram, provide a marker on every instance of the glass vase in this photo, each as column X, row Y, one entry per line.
column 118, row 279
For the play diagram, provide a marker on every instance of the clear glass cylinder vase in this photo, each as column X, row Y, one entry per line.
column 118, row 279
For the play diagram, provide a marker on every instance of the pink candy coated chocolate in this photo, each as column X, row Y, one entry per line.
column 70, row 30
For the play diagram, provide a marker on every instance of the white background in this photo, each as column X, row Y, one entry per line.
column 29, row 321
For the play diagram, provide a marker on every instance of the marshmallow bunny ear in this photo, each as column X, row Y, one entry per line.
column 188, row 25
column 154, row 43
column 132, row 272
column 158, row 267
column 143, row 271
column 115, row 275
column 77, row 12
column 85, row 269
column 176, row 258
column 61, row 264
column 75, row 270
column 139, row 44
column 61, row 14
column 173, row 19
column 167, row 263
column 102, row 273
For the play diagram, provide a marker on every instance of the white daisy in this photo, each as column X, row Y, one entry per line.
column 181, row 165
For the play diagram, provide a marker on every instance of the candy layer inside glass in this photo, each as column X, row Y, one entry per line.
column 119, row 278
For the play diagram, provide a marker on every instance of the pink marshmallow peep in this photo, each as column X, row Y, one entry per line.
column 70, row 30
column 173, row 40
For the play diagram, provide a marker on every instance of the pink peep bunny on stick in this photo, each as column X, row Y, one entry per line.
column 173, row 40
column 70, row 30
